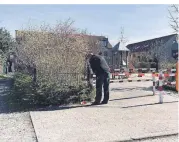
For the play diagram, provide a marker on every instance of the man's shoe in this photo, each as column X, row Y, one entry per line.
column 104, row 102
column 95, row 103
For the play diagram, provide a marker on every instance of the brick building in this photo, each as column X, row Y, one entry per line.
column 158, row 49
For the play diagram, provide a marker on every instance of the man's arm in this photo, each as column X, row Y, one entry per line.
column 89, row 75
column 89, row 71
column 94, row 64
column 103, row 64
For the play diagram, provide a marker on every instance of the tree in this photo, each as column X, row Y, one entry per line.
column 123, row 39
column 173, row 16
column 7, row 45
column 6, row 41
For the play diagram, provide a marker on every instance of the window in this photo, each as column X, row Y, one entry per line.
column 131, row 56
column 104, row 43
column 109, row 61
column 144, row 59
column 139, row 58
column 11, row 56
column 116, row 60
column 105, row 53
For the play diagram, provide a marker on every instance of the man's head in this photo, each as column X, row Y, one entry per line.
column 88, row 56
column 100, row 53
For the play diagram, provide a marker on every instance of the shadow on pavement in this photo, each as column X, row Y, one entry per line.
column 150, row 104
column 130, row 89
column 55, row 108
column 5, row 108
column 130, row 98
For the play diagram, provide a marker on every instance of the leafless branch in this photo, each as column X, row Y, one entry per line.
column 173, row 16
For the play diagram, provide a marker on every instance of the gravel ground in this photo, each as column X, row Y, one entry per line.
column 14, row 127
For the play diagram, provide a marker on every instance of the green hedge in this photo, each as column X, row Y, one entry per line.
column 27, row 93
column 166, row 87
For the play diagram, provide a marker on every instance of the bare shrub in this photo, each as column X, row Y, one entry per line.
column 57, row 52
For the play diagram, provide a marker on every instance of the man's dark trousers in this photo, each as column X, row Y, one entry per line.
column 102, row 80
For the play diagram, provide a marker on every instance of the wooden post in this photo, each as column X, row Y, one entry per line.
column 177, row 75
column 154, row 81
column 34, row 74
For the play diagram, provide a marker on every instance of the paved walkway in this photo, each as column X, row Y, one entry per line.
column 132, row 113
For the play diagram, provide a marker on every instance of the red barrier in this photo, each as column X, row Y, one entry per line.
column 140, row 74
column 166, row 75
column 127, row 74
column 115, row 74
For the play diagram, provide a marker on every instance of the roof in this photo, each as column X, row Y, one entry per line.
column 96, row 38
column 147, row 44
column 100, row 38
column 90, row 37
column 120, row 47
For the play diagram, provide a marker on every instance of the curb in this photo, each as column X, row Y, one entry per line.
column 120, row 81
column 5, row 80
column 36, row 138
column 155, row 136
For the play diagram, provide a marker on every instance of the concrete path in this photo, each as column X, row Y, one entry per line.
column 132, row 113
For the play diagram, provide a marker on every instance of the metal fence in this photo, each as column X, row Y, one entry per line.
column 59, row 78
column 69, row 79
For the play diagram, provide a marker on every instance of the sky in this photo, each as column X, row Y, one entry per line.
column 140, row 22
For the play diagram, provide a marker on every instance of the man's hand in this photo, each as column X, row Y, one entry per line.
column 90, row 83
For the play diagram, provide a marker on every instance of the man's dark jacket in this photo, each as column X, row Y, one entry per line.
column 98, row 65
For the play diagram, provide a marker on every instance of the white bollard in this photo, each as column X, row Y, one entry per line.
column 161, row 87
column 154, row 81
column 173, row 70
